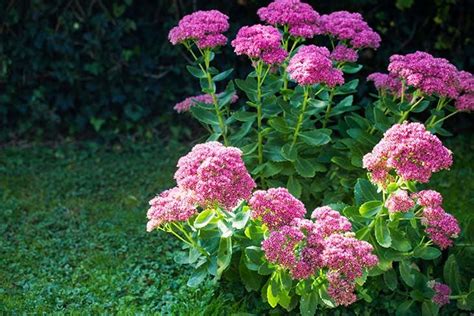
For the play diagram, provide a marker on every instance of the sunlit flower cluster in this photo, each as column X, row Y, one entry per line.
column 349, row 27
column 300, row 18
column 399, row 201
column 306, row 246
column 311, row 65
column 386, row 82
column 260, row 42
column 465, row 101
column 205, row 28
column 189, row 102
column 410, row 151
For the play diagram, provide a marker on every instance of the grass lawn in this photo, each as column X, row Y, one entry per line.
column 72, row 221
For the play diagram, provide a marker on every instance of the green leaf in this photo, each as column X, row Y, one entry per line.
column 399, row 241
column 347, row 101
column 429, row 308
column 365, row 191
column 279, row 124
column 294, row 187
column 426, row 253
column 382, row 234
column 369, row 209
column 289, row 152
column 272, row 293
column 451, row 274
column 244, row 116
column 196, row 72
column 224, row 255
column 224, row 228
column 309, row 303
column 406, row 273
column 223, row 75
column 241, row 219
column 315, row 138
column 405, row 308
column 351, row 68
column 250, row 279
column 323, row 294
column 204, row 218
column 390, row 278
column 198, row 276
column 204, row 116
column 305, row 168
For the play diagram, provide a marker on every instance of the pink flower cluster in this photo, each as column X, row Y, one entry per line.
column 409, row 150
column 203, row 27
column 305, row 246
column 261, row 42
column 171, row 205
column 440, row 226
column 386, row 82
column 311, row 65
column 300, row 18
column 329, row 221
column 342, row 53
column 424, row 72
column 399, row 201
column 465, row 101
column 351, row 28
column 442, row 293
column 276, row 207
column 189, row 102
column 216, row 174
column 210, row 175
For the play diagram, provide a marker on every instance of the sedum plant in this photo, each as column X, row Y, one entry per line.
column 296, row 128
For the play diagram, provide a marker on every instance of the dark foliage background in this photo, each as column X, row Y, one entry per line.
column 104, row 69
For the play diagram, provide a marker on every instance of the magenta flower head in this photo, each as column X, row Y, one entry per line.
column 428, row 198
column 442, row 293
column 296, row 247
column 260, row 42
column 441, row 227
column 300, row 18
column 216, row 174
column 351, row 28
column 386, row 82
column 348, row 255
column 329, row 221
column 342, row 53
column 205, row 28
column 172, row 205
column 432, row 76
column 341, row 289
column 411, row 151
column 311, row 65
column 276, row 207
column 465, row 101
column 189, row 102
column 399, row 201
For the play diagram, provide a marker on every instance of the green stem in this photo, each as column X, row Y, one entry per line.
column 260, row 79
column 214, row 97
column 442, row 119
column 439, row 106
column 307, row 90
column 405, row 114
column 191, row 240
column 329, row 108
column 403, row 92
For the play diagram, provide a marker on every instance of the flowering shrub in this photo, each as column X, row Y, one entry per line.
column 302, row 137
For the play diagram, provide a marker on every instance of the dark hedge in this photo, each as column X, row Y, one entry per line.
column 83, row 69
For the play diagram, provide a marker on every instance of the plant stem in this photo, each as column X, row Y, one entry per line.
column 212, row 92
column 439, row 106
column 405, row 114
column 442, row 119
column 307, row 90
column 329, row 108
column 260, row 79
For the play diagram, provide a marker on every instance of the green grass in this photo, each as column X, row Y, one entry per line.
column 72, row 221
